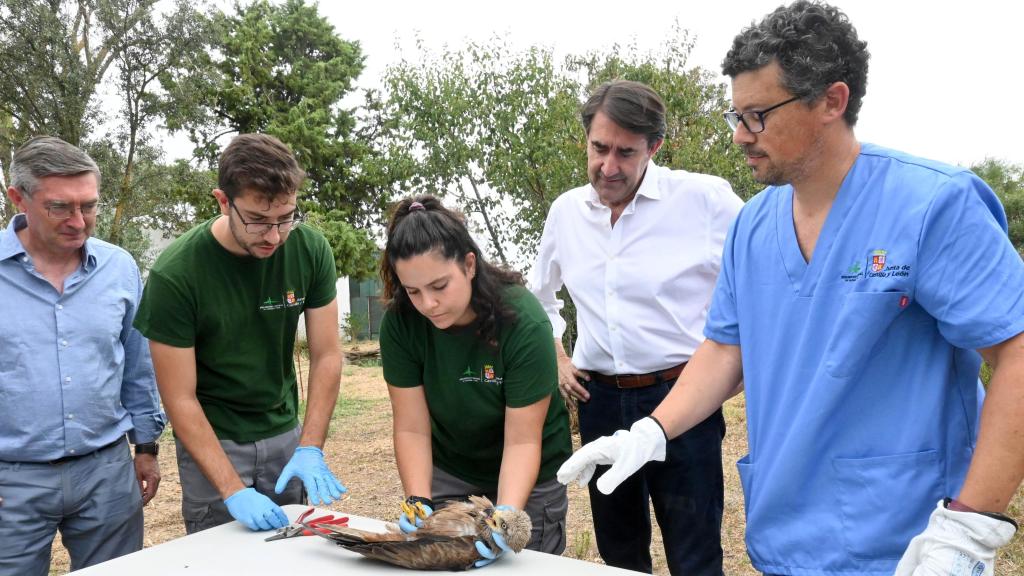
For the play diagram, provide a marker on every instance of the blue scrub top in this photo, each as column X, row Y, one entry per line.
column 860, row 368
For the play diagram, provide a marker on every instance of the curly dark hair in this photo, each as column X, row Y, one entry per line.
column 415, row 232
column 815, row 45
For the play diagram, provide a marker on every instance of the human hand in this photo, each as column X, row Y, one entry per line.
column 569, row 380
column 308, row 464
column 626, row 451
column 255, row 510
column 957, row 543
column 415, row 510
column 488, row 555
column 147, row 472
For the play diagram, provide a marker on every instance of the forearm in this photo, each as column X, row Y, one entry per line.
column 520, row 464
column 324, row 384
column 193, row 430
column 713, row 375
column 997, row 467
column 414, row 457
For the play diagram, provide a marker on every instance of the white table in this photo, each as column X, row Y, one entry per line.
column 233, row 549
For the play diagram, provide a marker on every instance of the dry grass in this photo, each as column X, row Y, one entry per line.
column 359, row 451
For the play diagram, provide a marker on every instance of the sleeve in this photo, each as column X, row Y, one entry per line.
column 402, row 364
column 531, row 369
column 970, row 275
column 724, row 207
column 723, row 323
column 545, row 278
column 167, row 312
column 324, row 288
column 139, row 394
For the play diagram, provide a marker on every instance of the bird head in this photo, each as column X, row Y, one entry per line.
column 514, row 526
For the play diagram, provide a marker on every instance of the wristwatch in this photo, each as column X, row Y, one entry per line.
column 147, row 448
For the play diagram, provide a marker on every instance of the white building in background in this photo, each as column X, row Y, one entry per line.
column 157, row 243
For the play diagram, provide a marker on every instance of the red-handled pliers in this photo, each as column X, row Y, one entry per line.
column 298, row 529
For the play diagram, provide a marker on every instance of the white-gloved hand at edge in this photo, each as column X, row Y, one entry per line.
column 625, row 451
column 957, row 543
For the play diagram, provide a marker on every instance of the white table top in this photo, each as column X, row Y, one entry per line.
column 234, row 549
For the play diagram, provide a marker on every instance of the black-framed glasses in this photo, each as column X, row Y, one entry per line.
column 753, row 121
column 262, row 228
column 63, row 210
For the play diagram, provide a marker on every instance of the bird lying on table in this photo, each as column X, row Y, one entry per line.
column 448, row 539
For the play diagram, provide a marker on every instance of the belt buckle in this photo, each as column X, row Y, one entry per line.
column 630, row 380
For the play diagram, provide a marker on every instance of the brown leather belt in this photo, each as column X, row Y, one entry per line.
column 638, row 380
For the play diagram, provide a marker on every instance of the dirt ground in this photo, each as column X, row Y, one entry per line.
column 359, row 451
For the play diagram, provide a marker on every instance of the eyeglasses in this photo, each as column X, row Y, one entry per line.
column 63, row 211
column 753, row 121
column 262, row 228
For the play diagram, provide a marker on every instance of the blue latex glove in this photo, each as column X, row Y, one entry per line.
column 255, row 510
column 308, row 464
column 485, row 550
column 414, row 512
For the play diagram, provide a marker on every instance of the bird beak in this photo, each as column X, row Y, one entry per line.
column 492, row 522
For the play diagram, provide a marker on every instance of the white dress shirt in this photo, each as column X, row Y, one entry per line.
column 643, row 286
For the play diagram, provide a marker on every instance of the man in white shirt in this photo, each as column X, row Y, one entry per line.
column 639, row 249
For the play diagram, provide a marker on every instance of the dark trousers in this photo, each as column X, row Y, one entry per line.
column 686, row 489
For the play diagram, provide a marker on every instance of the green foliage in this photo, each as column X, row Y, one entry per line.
column 281, row 69
column 353, row 327
column 354, row 250
column 696, row 139
column 58, row 54
column 497, row 130
column 1007, row 180
column 491, row 128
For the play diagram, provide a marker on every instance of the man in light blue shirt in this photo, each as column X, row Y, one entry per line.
column 75, row 376
column 858, row 295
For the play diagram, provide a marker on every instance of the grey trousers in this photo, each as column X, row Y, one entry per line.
column 94, row 501
column 547, row 506
column 259, row 464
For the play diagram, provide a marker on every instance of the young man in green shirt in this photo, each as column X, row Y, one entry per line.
column 220, row 308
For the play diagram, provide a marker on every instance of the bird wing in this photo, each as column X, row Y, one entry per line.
column 425, row 553
column 344, row 535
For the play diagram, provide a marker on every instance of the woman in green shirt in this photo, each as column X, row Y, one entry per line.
column 472, row 375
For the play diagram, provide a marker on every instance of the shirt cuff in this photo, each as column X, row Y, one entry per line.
column 148, row 428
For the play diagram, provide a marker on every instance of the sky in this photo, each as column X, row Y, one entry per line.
column 941, row 73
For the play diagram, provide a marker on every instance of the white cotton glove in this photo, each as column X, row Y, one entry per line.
column 956, row 544
column 626, row 451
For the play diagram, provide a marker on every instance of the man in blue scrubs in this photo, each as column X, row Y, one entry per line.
column 858, row 295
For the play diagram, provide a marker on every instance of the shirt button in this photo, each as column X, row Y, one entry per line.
column 71, row 451
column 614, row 328
column 67, row 379
column 60, row 306
column 63, row 342
column 71, row 416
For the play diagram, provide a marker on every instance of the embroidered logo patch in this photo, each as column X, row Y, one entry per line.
column 877, row 261
column 288, row 300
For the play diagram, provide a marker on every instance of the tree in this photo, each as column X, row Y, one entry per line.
column 57, row 56
column 489, row 127
column 498, row 130
column 1007, row 180
column 282, row 70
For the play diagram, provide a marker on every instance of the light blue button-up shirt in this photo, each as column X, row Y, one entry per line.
column 74, row 374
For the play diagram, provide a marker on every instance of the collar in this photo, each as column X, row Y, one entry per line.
column 11, row 246
column 648, row 188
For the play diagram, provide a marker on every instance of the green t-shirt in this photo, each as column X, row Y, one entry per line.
column 240, row 314
column 468, row 384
